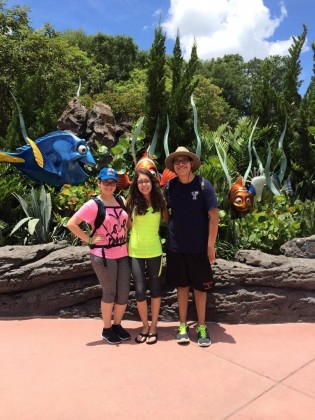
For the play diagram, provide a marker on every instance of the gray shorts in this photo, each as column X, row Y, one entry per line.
column 114, row 279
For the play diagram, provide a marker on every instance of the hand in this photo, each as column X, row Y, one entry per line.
column 98, row 238
column 211, row 254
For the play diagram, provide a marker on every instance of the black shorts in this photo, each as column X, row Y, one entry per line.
column 189, row 270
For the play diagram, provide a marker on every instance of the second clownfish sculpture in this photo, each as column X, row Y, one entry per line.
column 240, row 197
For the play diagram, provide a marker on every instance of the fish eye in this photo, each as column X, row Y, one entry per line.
column 82, row 149
column 238, row 200
column 248, row 200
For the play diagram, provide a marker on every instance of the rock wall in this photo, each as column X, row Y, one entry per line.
column 57, row 280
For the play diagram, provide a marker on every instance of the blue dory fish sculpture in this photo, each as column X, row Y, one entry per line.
column 55, row 159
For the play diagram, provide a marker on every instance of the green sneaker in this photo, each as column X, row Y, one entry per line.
column 183, row 334
column 203, row 336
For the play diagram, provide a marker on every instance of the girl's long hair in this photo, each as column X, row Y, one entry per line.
column 136, row 201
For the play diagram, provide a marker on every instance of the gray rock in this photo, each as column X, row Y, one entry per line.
column 299, row 247
column 57, row 280
column 101, row 125
column 97, row 124
column 74, row 118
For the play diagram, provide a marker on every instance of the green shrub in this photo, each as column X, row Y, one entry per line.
column 266, row 227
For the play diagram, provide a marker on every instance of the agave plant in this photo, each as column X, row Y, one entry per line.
column 38, row 210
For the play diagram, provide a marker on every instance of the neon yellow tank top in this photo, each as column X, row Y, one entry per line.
column 144, row 240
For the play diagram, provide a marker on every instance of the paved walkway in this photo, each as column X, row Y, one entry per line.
column 59, row 369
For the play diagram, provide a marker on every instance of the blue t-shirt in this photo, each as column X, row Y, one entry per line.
column 189, row 222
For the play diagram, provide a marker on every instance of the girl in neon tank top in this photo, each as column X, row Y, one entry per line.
column 146, row 206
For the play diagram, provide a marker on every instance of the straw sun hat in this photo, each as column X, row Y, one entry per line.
column 182, row 151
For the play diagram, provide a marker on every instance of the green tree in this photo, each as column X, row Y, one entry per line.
column 230, row 74
column 184, row 83
column 118, row 53
column 303, row 147
column 14, row 27
column 78, row 38
column 267, row 101
column 213, row 110
column 126, row 98
column 46, row 76
column 155, row 101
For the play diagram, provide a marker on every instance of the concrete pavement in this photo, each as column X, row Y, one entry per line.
column 60, row 369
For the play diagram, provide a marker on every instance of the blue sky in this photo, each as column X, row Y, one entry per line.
column 251, row 28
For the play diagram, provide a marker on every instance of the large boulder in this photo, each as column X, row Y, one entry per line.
column 101, row 125
column 97, row 124
column 73, row 118
column 58, row 280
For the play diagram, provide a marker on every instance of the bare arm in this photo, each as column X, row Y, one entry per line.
column 74, row 226
column 165, row 215
column 129, row 223
column 213, row 232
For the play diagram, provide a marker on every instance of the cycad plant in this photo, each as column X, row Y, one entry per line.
column 38, row 210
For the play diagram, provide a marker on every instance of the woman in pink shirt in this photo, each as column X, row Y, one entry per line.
column 108, row 253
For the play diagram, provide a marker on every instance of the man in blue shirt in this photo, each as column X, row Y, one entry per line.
column 192, row 232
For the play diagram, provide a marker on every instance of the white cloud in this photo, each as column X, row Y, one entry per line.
column 226, row 27
column 158, row 12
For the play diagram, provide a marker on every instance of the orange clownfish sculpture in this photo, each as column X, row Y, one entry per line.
column 146, row 161
column 240, row 197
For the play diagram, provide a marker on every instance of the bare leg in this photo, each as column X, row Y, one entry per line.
column 119, row 311
column 107, row 309
column 182, row 298
column 143, row 312
column 155, row 310
column 201, row 301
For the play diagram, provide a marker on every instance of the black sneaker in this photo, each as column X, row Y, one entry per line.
column 121, row 332
column 109, row 336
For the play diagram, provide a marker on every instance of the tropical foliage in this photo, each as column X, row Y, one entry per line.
column 38, row 209
column 42, row 68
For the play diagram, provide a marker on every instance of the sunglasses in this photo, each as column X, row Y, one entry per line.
column 182, row 161
column 108, row 183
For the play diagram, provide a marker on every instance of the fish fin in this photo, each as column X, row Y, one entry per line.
column 5, row 158
column 123, row 182
column 167, row 175
column 39, row 158
column 240, row 181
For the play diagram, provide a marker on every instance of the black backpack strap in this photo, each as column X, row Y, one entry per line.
column 167, row 192
column 121, row 202
column 99, row 219
column 100, row 215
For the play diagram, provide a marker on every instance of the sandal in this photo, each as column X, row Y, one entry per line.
column 141, row 338
column 152, row 338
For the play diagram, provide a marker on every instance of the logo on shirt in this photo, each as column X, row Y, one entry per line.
column 194, row 195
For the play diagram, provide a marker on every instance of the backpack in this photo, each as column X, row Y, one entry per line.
column 99, row 219
column 101, row 211
column 168, row 185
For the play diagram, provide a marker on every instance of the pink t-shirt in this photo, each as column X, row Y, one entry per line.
column 114, row 228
